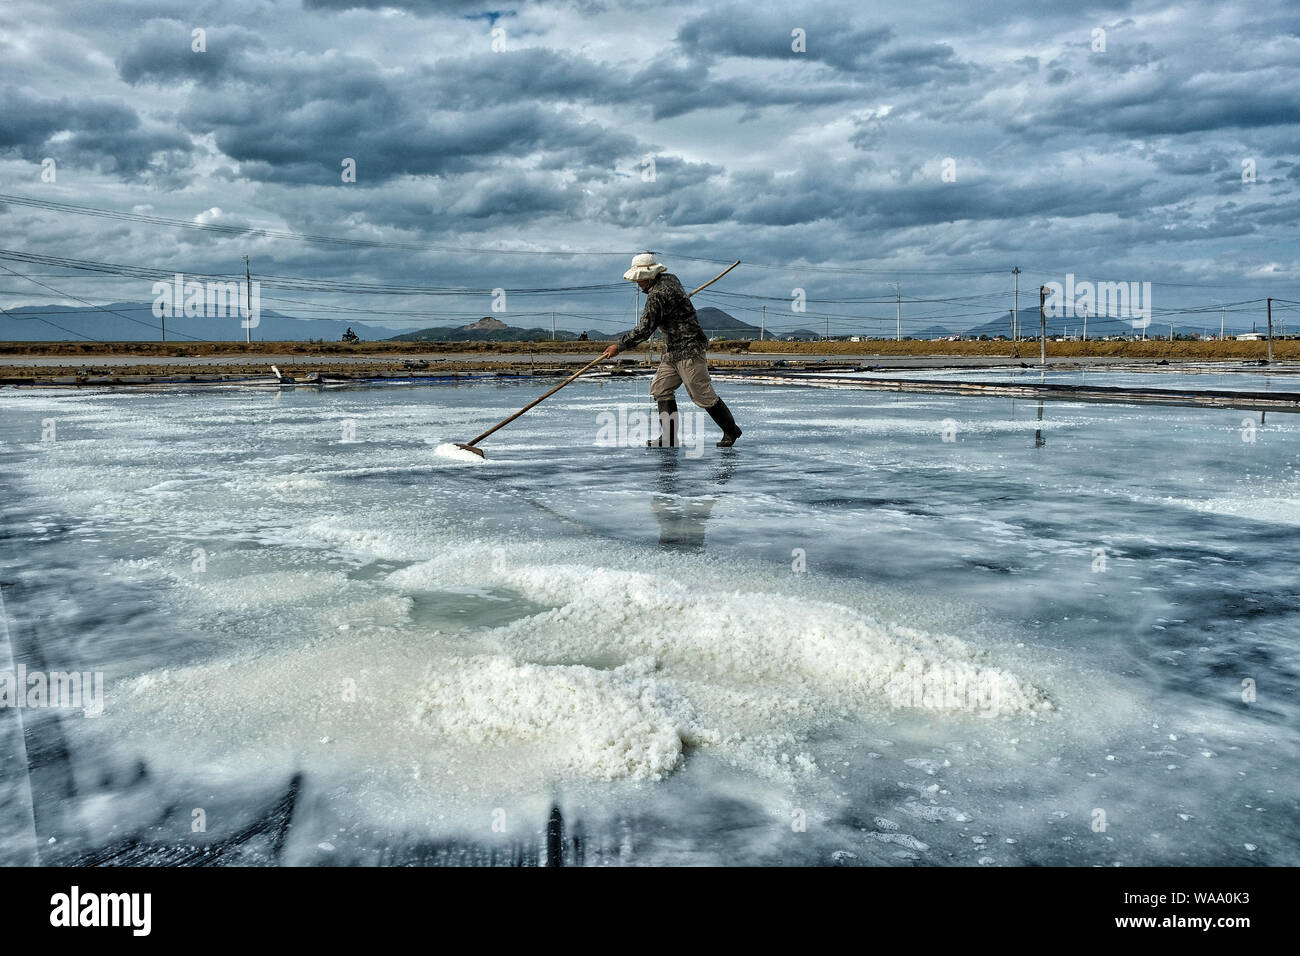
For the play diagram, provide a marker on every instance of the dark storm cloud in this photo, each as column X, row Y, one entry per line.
column 1171, row 107
column 822, row 193
column 96, row 132
column 924, row 64
column 468, row 82
column 745, row 31
column 674, row 88
column 830, row 38
column 1198, row 163
column 515, row 195
column 307, row 141
column 297, row 122
column 307, row 151
column 668, row 86
column 163, row 51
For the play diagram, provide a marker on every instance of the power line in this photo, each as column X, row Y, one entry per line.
column 37, row 318
column 833, row 270
column 293, row 282
column 258, row 232
column 92, row 305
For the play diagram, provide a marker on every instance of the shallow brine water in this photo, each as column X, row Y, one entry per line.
column 885, row 629
column 1236, row 377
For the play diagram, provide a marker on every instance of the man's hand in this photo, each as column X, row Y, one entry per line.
column 610, row 352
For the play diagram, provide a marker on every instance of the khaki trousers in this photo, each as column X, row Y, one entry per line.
column 691, row 372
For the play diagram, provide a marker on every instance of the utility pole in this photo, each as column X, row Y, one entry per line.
column 828, row 327
column 1223, row 314
column 1015, row 308
column 898, row 290
column 1171, row 330
column 248, row 301
column 1270, row 329
column 552, row 326
column 164, row 325
column 1042, row 325
column 762, row 329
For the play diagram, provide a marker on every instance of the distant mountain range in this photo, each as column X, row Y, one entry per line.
column 488, row 329
column 719, row 324
column 133, row 322
column 1097, row 327
column 715, row 323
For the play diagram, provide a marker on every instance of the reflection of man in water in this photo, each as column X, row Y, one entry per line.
column 682, row 522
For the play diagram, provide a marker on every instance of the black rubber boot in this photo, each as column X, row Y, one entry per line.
column 721, row 414
column 667, row 426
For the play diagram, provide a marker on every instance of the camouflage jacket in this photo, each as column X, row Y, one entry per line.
column 668, row 309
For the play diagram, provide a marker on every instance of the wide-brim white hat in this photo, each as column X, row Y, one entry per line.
column 644, row 267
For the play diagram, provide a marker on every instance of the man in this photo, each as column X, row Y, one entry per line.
column 668, row 309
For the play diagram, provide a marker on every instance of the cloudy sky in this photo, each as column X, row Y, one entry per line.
column 537, row 147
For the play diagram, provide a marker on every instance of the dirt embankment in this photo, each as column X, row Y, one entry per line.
column 1152, row 348
column 205, row 349
column 166, row 360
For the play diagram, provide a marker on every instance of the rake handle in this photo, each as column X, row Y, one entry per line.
column 715, row 278
column 538, row 401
